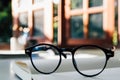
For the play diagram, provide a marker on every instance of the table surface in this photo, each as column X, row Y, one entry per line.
column 6, row 72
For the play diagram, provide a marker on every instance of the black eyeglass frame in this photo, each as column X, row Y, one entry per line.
column 108, row 53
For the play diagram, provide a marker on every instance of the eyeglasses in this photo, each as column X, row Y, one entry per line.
column 85, row 58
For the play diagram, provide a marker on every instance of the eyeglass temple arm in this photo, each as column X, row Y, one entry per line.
column 28, row 50
column 40, row 48
column 113, row 50
column 110, row 52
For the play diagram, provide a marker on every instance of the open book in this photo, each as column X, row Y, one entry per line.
column 66, row 71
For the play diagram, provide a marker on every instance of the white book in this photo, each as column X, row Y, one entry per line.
column 66, row 71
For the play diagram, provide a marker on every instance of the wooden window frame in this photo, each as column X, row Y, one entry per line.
column 64, row 38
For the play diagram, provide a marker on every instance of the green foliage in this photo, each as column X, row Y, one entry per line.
column 115, row 38
column 5, row 21
column 55, row 22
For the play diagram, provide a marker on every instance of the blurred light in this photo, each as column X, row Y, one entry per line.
column 56, row 1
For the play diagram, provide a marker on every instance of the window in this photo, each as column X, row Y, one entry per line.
column 38, row 23
column 23, row 19
column 37, row 16
column 37, row 1
column 76, row 4
column 95, row 3
column 95, row 26
column 76, row 23
column 86, row 21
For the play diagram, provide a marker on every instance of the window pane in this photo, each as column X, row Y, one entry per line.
column 38, row 23
column 23, row 19
column 96, row 26
column 75, row 4
column 94, row 3
column 37, row 1
column 76, row 23
column 22, row 3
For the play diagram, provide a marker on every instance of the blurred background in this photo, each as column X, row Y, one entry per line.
column 65, row 23
column 5, row 23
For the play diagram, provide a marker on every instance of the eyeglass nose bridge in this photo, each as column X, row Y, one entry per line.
column 66, row 51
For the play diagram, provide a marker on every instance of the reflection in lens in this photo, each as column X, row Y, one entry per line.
column 89, row 60
column 44, row 58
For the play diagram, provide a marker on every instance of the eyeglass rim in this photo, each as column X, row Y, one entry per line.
column 30, row 55
column 72, row 51
column 108, row 53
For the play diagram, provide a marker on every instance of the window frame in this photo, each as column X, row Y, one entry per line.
column 64, row 38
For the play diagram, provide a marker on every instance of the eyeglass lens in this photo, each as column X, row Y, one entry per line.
column 89, row 60
column 43, row 60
